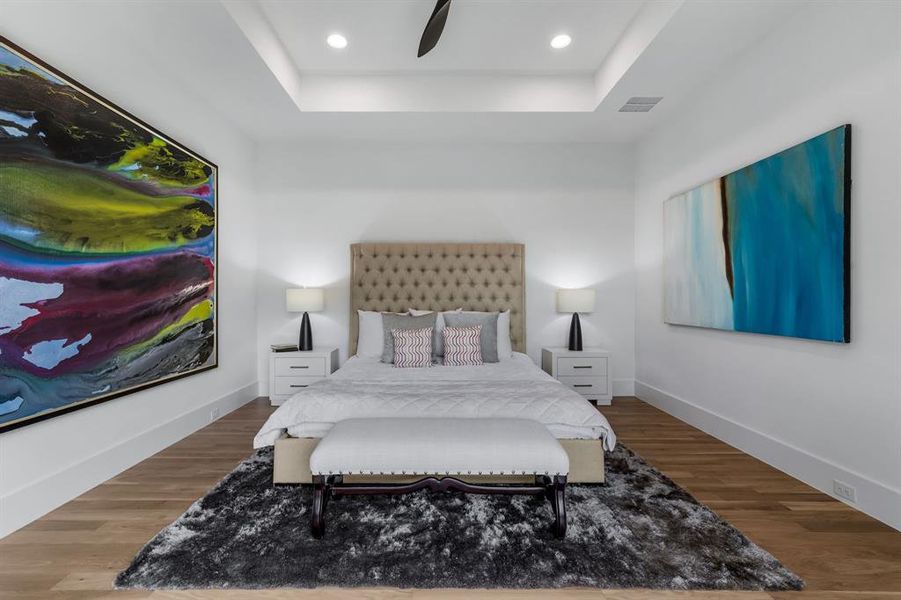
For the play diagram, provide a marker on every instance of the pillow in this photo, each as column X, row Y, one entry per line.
column 371, row 336
column 412, row 347
column 437, row 338
column 391, row 321
column 462, row 346
column 488, row 336
column 504, row 343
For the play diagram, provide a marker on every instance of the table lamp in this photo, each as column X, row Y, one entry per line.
column 575, row 301
column 305, row 300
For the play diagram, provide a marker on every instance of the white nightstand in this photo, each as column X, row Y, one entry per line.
column 290, row 372
column 587, row 372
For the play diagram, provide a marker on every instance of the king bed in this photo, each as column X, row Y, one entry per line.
column 393, row 278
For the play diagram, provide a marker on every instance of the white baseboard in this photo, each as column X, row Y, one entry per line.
column 873, row 498
column 24, row 505
column 623, row 387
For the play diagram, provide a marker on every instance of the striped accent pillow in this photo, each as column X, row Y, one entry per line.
column 412, row 347
column 462, row 346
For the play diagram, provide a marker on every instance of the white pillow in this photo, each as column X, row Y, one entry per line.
column 371, row 336
column 504, row 344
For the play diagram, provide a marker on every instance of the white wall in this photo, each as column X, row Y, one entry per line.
column 571, row 205
column 47, row 463
column 818, row 411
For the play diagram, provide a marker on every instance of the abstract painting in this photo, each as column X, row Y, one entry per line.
column 107, row 248
column 766, row 249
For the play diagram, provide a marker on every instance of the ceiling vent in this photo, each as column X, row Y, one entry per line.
column 640, row 103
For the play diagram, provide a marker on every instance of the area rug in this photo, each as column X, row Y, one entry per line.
column 639, row 529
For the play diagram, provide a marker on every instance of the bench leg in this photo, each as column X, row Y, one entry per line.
column 332, row 482
column 320, row 498
column 559, row 503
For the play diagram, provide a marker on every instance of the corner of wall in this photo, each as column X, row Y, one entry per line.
column 873, row 498
column 21, row 506
column 794, row 404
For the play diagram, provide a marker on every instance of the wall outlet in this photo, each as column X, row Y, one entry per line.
column 844, row 491
column 215, row 414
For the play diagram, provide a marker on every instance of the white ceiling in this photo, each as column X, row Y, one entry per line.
column 494, row 56
column 505, row 36
column 233, row 73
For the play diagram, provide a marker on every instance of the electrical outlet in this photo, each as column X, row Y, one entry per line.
column 215, row 414
column 844, row 491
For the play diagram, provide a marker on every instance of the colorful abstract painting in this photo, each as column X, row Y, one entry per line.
column 107, row 248
column 765, row 249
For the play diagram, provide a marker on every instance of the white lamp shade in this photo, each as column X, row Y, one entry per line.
column 305, row 299
column 575, row 301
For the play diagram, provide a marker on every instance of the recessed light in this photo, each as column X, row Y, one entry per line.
column 337, row 41
column 561, row 41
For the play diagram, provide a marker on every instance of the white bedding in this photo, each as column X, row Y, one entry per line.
column 368, row 388
column 518, row 368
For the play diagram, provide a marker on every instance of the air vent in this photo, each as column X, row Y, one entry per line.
column 640, row 103
column 636, row 108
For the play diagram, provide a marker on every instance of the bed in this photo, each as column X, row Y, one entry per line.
column 441, row 277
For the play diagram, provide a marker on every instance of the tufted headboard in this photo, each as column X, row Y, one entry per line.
column 396, row 277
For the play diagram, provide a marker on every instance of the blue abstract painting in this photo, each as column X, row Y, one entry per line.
column 765, row 249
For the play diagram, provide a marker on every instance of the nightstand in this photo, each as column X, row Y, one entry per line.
column 587, row 372
column 290, row 372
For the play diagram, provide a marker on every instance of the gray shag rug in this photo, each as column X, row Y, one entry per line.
column 637, row 530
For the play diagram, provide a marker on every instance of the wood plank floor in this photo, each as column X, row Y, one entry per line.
column 76, row 551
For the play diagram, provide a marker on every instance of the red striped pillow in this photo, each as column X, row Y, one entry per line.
column 412, row 347
column 462, row 346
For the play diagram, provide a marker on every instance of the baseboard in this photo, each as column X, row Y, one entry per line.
column 873, row 498
column 623, row 387
column 24, row 505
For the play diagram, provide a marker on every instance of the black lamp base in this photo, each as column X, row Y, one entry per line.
column 575, row 334
column 306, row 334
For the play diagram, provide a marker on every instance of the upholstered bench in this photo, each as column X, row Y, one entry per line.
column 438, row 449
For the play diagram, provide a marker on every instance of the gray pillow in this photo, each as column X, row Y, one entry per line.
column 488, row 338
column 394, row 321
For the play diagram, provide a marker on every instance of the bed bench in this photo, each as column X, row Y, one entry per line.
column 437, row 449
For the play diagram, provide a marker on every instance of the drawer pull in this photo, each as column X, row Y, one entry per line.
column 582, row 385
column 294, row 385
column 581, row 366
column 300, row 366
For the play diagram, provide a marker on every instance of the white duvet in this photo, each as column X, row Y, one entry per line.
column 367, row 388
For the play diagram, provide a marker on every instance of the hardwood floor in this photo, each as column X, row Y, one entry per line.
column 76, row 551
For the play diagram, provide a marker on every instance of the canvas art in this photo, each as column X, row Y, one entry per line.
column 765, row 249
column 107, row 248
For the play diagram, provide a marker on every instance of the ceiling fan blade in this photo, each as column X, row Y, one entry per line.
column 434, row 27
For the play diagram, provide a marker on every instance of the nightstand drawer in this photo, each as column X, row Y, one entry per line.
column 292, row 385
column 594, row 366
column 587, row 386
column 300, row 366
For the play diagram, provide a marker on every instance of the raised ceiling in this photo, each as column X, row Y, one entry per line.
column 229, row 56
column 483, row 36
column 495, row 55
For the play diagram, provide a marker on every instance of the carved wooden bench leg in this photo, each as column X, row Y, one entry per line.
column 331, row 482
column 328, row 486
column 320, row 499
column 559, row 503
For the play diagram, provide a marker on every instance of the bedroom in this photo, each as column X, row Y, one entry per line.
column 784, row 448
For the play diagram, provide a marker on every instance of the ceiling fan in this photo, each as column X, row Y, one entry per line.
column 434, row 27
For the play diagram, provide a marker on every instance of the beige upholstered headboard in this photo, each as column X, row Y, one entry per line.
column 396, row 277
